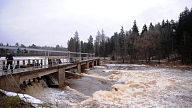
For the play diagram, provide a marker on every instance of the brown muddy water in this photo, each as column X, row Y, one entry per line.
column 120, row 86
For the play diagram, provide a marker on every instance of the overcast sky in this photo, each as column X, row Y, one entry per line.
column 52, row 22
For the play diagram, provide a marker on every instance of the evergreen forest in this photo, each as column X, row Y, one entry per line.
column 169, row 40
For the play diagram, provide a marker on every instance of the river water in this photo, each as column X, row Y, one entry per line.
column 121, row 86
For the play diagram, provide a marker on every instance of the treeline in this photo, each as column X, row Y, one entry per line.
column 75, row 45
column 31, row 53
column 169, row 40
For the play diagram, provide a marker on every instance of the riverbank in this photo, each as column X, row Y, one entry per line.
column 13, row 102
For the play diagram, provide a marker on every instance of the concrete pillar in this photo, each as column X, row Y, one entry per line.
column 61, row 77
column 87, row 63
column 92, row 64
column 98, row 62
column 95, row 62
column 79, row 68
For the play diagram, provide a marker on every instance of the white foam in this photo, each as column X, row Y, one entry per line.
column 99, row 67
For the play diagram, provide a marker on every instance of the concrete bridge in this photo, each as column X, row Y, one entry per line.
column 49, row 62
column 12, row 81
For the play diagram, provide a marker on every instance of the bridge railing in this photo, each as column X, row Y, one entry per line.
column 42, row 58
column 46, row 52
column 21, row 64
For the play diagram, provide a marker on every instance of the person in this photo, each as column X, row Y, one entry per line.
column 9, row 59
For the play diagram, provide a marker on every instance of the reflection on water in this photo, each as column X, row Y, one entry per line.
column 120, row 86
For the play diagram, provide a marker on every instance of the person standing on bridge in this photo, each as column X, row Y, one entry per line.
column 9, row 59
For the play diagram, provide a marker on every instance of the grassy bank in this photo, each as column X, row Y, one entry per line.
column 12, row 102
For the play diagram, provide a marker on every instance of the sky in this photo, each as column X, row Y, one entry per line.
column 54, row 22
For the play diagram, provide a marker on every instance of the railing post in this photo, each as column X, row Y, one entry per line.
column 45, row 59
column 18, row 64
column 37, row 63
column 4, row 67
column 80, row 56
column 87, row 56
column 33, row 63
column 48, row 53
column 51, row 62
column 29, row 62
column 23, row 62
column 69, row 56
column 41, row 62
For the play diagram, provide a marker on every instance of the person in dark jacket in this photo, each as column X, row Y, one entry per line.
column 9, row 59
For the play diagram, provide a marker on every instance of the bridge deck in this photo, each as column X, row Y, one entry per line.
column 35, row 68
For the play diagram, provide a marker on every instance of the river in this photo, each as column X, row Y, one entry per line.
column 122, row 86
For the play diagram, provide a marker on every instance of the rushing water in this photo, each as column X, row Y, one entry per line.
column 120, row 86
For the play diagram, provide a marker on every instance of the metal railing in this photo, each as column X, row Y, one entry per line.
column 46, row 60
column 29, row 64
column 48, row 51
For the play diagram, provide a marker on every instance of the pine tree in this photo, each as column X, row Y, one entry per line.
column 135, row 30
column 184, row 36
column 90, row 45
column 97, row 44
column 77, row 42
column 144, row 29
column 151, row 26
column 122, row 44
column 71, row 45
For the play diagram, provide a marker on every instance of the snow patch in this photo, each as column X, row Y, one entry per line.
column 24, row 97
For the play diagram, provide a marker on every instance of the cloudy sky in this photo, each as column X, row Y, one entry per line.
column 52, row 22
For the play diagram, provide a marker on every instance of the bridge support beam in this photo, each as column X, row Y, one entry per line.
column 61, row 77
column 79, row 68
column 98, row 62
column 95, row 62
column 87, row 63
column 92, row 63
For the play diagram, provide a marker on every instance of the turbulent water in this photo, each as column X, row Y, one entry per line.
column 120, row 86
